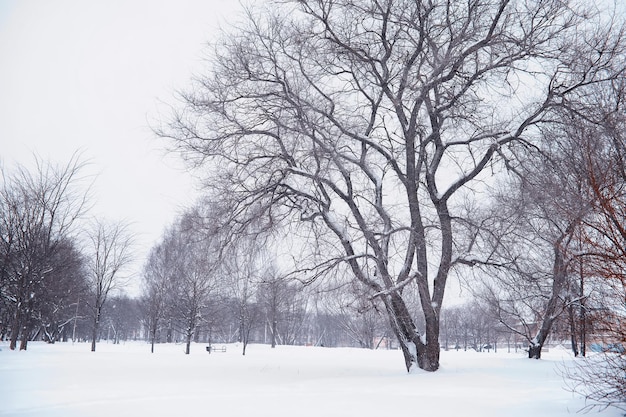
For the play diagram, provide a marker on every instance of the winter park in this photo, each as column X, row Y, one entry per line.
column 126, row 380
column 313, row 208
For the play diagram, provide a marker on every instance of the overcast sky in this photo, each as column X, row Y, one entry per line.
column 88, row 76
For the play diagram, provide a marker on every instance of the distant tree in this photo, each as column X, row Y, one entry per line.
column 294, row 315
column 245, row 267
column 194, row 272
column 324, row 330
column 156, row 276
column 452, row 328
column 284, row 304
column 271, row 296
column 121, row 317
column 109, row 253
column 369, row 123
column 359, row 317
column 60, row 292
column 480, row 327
column 38, row 212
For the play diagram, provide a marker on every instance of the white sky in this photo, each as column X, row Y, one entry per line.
column 87, row 76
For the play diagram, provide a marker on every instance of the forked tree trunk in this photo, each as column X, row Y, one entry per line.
column 415, row 351
column 534, row 351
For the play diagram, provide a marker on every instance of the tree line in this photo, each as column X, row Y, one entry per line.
column 54, row 262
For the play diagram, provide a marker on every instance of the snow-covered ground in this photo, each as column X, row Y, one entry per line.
column 126, row 380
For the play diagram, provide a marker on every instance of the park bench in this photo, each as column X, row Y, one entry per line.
column 215, row 349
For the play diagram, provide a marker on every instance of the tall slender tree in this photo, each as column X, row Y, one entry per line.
column 194, row 272
column 155, row 288
column 110, row 252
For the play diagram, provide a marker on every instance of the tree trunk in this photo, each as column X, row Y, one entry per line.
column 188, row 343
column 95, row 330
column 152, row 338
column 15, row 331
column 24, row 338
column 274, row 327
column 583, row 332
column 415, row 351
column 551, row 312
column 428, row 355
column 583, row 322
column 534, row 351
column 572, row 328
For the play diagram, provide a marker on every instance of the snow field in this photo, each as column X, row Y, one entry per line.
column 126, row 380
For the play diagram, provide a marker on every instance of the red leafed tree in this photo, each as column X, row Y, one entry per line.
column 601, row 378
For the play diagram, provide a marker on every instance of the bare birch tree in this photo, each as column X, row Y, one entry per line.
column 368, row 122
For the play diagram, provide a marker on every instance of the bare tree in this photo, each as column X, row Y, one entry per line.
column 59, row 292
column 284, row 303
column 535, row 246
column 38, row 210
column 110, row 252
column 368, row 122
column 471, row 326
column 358, row 316
column 156, row 274
column 194, row 273
column 271, row 296
column 120, row 317
column 244, row 269
column 600, row 378
column 295, row 313
column 544, row 242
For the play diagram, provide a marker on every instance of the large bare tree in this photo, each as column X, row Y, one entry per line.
column 370, row 122
column 39, row 209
